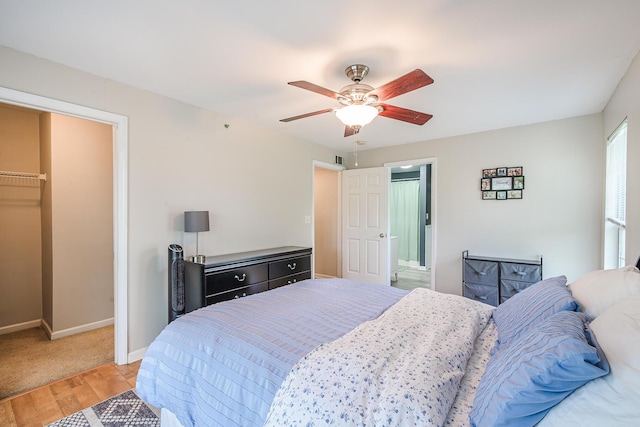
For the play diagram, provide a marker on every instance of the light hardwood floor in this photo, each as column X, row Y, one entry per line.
column 51, row 402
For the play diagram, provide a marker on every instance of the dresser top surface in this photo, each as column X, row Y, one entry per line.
column 257, row 255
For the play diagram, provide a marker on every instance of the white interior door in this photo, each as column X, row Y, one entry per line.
column 365, row 225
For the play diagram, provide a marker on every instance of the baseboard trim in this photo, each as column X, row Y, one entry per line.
column 134, row 356
column 19, row 327
column 323, row 276
column 76, row 329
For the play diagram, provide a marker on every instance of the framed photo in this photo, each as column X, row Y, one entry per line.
column 501, row 172
column 514, row 194
column 502, row 183
column 501, row 195
column 515, row 171
column 488, row 195
column 518, row 182
column 485, row 184
column 489, row 173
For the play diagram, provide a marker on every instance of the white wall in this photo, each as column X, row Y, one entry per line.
column 625, row 102
column 559, row 216
column 256, row 183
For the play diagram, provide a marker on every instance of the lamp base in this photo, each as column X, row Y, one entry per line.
column 198, row 259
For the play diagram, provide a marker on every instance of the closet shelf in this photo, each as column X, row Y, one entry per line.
column 23, row 175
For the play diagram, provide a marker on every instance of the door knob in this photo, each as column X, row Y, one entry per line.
column 381, row 235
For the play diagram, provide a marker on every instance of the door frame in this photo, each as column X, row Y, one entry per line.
column 433, row 161
column 120, row 206
column 338, row 169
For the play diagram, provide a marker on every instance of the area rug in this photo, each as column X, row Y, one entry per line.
column 123, row 410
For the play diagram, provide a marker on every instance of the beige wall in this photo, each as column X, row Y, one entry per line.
column 559, row 216
column 20, row 277
column 326, row 184
column 46, row 221
column 625, row 103
column 82, row 222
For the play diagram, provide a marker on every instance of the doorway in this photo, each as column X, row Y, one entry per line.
column 119, row 167
column 327, row 254
column 411, row 217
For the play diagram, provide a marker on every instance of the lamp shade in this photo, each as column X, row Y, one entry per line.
column 195, row 221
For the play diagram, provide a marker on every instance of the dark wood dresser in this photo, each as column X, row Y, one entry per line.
column 226, row 277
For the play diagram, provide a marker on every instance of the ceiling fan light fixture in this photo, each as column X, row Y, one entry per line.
column 357, row 116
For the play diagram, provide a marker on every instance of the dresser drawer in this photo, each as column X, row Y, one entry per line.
column 483, row 293
column 276, row 283
column 481, row 272
column 288, row 267
column 236, row 278
column 520, row 272
column 238, row 293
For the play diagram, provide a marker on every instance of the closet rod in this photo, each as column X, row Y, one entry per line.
column 25, row 175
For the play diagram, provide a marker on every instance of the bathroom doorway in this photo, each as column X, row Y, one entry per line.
column 411, row 224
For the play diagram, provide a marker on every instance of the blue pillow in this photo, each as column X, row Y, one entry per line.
column 523, row 382
column 530, row 307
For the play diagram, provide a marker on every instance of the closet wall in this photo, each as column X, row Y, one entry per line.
column 20, row 249
column 70, row 285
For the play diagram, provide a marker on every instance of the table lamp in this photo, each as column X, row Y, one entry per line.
column 195, row 222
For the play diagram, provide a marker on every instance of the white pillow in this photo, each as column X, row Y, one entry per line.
column 600, row 289
column 612, row 400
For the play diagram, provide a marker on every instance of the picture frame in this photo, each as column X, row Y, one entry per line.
column 502, row 183
column 485, row 184
column 514, row 194
column 514, row 171
column 489, row 173
column 488, row 195
column 518, row 182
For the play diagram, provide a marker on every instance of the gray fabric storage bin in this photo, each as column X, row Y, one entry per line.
column 481, row 272
column 483, row 293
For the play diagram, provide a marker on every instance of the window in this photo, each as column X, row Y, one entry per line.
column 616, row 198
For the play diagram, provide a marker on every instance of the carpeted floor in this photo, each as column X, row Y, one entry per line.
column 125, row 409
column 28, row 359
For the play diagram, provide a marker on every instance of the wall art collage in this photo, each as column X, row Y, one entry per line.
column 506, row 183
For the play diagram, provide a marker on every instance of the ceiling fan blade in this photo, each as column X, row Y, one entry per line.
column 302, row 116
column 315, row 88
column 411, row 81
column 348, row 131
column 404, row 114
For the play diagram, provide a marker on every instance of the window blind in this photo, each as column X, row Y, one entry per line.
column 616, row 177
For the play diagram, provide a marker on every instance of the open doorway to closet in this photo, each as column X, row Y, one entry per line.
column 56, row 219
column 327, row 254
column 411, row 228
column 78, row 259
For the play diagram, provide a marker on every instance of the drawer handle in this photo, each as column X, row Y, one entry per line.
column 521, row 273
column 292, row 267
column 482, row 273
column 291, row 281
column 482, row 297
column 241, row 279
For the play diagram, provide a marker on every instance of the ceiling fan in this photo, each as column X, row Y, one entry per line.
column 361, row 103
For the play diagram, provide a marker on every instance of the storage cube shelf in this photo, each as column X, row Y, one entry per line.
column 494, row 280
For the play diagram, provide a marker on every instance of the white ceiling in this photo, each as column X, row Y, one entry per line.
column 496, row 63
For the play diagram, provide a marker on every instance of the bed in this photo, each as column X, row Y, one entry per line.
column 339, row 352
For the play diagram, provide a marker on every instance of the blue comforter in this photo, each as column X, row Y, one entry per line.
column 222, row 365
